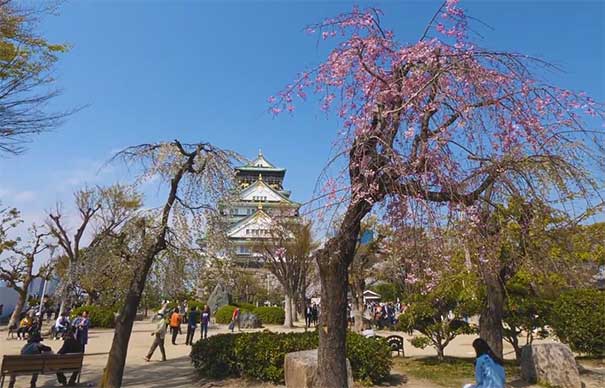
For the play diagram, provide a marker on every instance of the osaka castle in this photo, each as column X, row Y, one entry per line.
column 260, row 200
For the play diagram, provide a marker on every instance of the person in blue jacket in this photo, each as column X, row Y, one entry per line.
column 192, row 320
column 81, row 324
column 489, row 368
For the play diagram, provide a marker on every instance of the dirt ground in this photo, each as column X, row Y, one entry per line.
column 177, row 370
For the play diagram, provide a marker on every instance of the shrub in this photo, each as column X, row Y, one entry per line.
column 439, row 314
column 270, row 315
column 421, row 342
column 224, row 314
column 99, row 316
column 261, row 355
column 199, row 305
column 577, row 319
column 370, row 358
column 245, row 306
column 215, row 357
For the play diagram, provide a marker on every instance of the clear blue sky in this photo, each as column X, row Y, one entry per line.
column 201, row 70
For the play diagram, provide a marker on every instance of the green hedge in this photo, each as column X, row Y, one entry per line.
column 261, row 355
column 270, row 315
column 99, row 316
column 267, row 315
column 224, row 314
column 245, row 306
column 577, row 318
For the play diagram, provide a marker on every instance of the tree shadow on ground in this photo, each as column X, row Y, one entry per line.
column 518, row 384
column 394, row 380
column 176, row 372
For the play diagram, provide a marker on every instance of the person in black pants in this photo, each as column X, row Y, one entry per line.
column 308, row 315
column 70, row 345
column 192, row 321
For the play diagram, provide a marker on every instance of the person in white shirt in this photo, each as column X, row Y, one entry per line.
column 61, row 325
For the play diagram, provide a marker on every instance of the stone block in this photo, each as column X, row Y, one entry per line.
column 300, row 370
column 551, row 364
column 218, row 298
column 249, row 321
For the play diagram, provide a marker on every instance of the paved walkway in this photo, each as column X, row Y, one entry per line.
column 177, row 371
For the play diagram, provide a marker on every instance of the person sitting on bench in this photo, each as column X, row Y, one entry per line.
column 33, row 346
column 70, row 345
column 25, row 326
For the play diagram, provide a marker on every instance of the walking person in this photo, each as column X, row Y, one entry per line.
column 33, row 346
column 205, row 320
column 82, row 324
column 175, row 324
column 160, row 335
column 308, row 315
column 234, row 320
column 315, row 314
column 489, row 368
column 192, row 320
column 70, row 345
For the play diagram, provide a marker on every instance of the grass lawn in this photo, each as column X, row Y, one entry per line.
column 452, row 372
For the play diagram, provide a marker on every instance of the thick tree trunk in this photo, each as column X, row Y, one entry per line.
column 288, row 312
column 440, row 352
column 294, row 311
column 358, row 308
column 490, row 321
column 114, row 370
column 14, row 320
column 332, row 370
column 517, row 349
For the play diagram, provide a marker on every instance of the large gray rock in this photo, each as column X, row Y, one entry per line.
column 551, row 364
column 249, row 321
column 300, row 370
column 218, row 298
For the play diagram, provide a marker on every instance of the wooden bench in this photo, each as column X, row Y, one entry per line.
column 44, row 364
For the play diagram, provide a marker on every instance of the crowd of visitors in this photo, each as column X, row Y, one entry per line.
column 489, row 371
column 74, row 334
column 383, row 314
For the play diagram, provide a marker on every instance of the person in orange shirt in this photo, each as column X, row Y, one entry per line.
column 234, row 320
column 175, row 324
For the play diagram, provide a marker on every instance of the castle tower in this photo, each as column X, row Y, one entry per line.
column 261, row 199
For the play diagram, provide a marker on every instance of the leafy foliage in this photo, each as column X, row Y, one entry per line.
column 261, row 355
column 370, row 358
column 526, row 311
column 270, row 315
column 389, row 292
column 577, row 319
column 26, row 64
column 215, row 357
column 245, row 306
column 439, row 314
column 267, row 315
column 99, row 316
column 420, row 342
column 223, row 315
